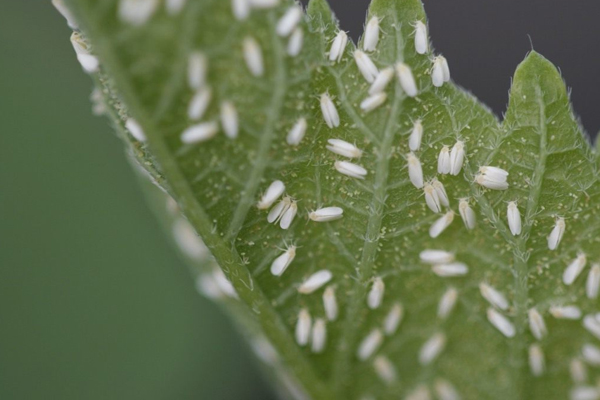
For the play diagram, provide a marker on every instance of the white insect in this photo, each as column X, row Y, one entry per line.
column 369, row 345
column 421, row 38
column 578, row 370
column 343, row 148
column 199, row 103
column 420, row 393
column 199, row 133
column 253, row 56
column 241, row 9
column 445, row 390
column 440, row 72
column 350, row 169
column 537, row 326
column 385, row 369
column 326, row 214
column 319, row 336
column 593, row 282
column 592, row 325
column 432, row 199
column 303, row 327
column 591, row 354
column 557, row 233
column 432, row 348
column 296, row 134
column 375, row 296
column 229, row 120
column 371, row 35
column 414, row 141
column 536, row 360
column 493, row 296
column 366, row 66
column 223, row 283
column 513, row 215
column 393, row 319
column 450, row 270
column 174, row 7
column 273, row 192
column 89, row 62
column 295, row 43
column 457, row 157
column 441, row 192
column 467, row 214
column 574, row 269
column 565, row 312
column 501, row 323
column 262, row 4
column 66, row 13
column 492, row 178
column 135, row 129
column 372, row 102
column 441, row 224
column 188, row 240
column 281, row 263
column 197, row 70
column 330, row 113
column 279, row 210
column 338, row 47
column 330, row 303
column 288, row 22
column 444, row 161
column 447, row 303
column 407, row 80
column 415, row 170
column 315, row 281
column 382, row 81
column 584, row 393
column 435, row 257
column 137, row 12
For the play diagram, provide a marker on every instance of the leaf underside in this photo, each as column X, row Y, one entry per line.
column 217, row 183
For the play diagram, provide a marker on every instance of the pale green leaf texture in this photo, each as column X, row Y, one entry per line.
column 217, row 183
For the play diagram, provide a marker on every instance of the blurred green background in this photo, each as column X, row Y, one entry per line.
column 94, row 303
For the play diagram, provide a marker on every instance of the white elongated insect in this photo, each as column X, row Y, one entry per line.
column 343, row 148
column 593, row 282
column 229, row 120
column 436, row 257
column 574, row 269
column 240, row 9
column 492, row 178
column 274, row 191
column 444, row 160
column 584, row 393
column 296, row 134
column 557, row 233
column 513, row 215
column 288, row 216
column 277, row 212
column 441, row 224
column 393, row 319
column 366, row 66
column 450, row 270
column 578, row 371
column 536, row 360
column 565, row 312
column 382, row 80
column 263, row 4
column 457, row 157
column 592, row 325
column 89, row 62
column 421, row 38
column 467, row 214
column 441, row 192
column 415, row 170
column 303, row 327
column 494, row 173
column 501, row 323
column 432, row 348
column 493, row 296
column 199, row 103
column 336, row 52
column 371, row 35
column 174, row 7
column 197, row 70
column 372, row 102
column 591, row 354
column 223, row 284
column 384, row 369
column 330, row 113
column 330, row 303
column 315, row 281
column 484, row 181
column 188, row 240
column 375, row 296
column 135, row 129
column 445, row 390
column 66, row 13
column 537, row 326
column 350, row 169
column 369, row 345
column 288, row 22
column 440, row 72
column 281, row 263
column 447, row 303
column 199, row 133
column 319, row 336
column 326, row 214
column 137, row 12
column 253, row 56
column 432, row 199
column 407, row 80
column 295, row 43
column 420, row 393
column 414, row 141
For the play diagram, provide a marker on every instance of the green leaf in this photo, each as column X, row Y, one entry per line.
column 386, row 223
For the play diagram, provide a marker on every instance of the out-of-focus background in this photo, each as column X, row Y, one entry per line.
column 94, row 303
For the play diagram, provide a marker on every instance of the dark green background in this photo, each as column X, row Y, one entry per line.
column 94, row 303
